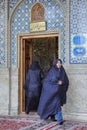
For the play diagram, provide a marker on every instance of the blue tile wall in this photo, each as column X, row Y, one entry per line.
column 21, row 19
column 55, row 21
column 3, row 51
column 78, row 31
column 12, row 4
column 20, row 24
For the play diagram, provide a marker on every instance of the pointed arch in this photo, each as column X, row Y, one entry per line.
column 9, row 27
column 37, row 12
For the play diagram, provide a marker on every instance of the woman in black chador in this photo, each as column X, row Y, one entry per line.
column 33, row 85
column 53, row 94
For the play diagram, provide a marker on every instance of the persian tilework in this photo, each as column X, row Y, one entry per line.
column 63, row 2
column 3, row 51
column 54, row 17
column 78, row 31
column 12, row 4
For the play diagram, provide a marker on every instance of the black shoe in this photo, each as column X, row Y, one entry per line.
column 53, row 120
column 61, row 123
column 27, row 113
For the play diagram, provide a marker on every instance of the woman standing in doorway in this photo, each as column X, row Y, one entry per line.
column 53, row 94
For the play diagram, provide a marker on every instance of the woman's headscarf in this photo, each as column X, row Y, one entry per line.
column 55, row 62
column 35, row 65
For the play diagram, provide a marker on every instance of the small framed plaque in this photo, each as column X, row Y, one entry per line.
column 37, row 26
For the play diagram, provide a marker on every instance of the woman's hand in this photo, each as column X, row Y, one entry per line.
column 60, row 82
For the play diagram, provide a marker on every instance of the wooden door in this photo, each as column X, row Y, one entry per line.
column 25, row 61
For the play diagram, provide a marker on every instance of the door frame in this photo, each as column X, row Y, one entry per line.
column 22, row 38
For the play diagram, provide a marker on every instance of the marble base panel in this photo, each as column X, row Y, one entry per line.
column 4, row 91
column 76, row 106
column 14, row 100
column 75, row 117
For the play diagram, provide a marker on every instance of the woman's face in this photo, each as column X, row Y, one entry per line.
column 59, row 64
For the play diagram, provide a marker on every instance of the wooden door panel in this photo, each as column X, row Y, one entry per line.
column 28, row 56
column 23, row 73
column 25, row 61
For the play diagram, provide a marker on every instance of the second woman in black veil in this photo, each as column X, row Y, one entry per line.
column 33, row 85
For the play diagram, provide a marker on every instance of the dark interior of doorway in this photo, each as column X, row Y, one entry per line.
column 44, row 50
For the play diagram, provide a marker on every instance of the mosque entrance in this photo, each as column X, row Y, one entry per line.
column 44, row 49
